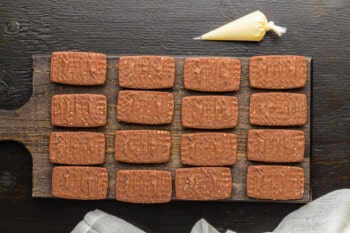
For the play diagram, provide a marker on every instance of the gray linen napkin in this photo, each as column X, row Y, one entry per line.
column 98, row 221
column 202, row 226
column 327, row 214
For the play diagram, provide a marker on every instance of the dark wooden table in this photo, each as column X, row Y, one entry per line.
column 317, row 29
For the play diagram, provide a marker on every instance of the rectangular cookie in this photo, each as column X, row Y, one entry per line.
column 145, row 107
column 84, row 183
column 212, row 74
column 77, row 148
column 143, row 186
column 79, row 110
column 78, row 68
column 275, row 182
column 142, row 146
column 276, row 146
column 209, row 149
column 209, row 112
column 146, row 72
column 278, row 109
column 277, row 72
column 203, row 183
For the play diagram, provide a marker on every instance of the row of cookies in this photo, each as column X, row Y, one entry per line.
column 206, row 74
column 155, row 186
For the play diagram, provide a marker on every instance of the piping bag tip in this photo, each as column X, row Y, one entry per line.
column 198, row 38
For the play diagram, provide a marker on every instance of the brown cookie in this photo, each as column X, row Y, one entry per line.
column 78, row 68
column 146, row 72
column 276, row 146
column 143, row 186
column 142, row 146
column 85, row 183
column 275, row 182
column 209, row 149
column 79, row 110
column 209, row 112
column 277, row 72
column 203, row 183
column 145, row 107
column 77, row 148
column 212, row 74
column 278, row 109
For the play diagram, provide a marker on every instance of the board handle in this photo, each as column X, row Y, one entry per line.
column 31, row 122
column 11, row 126
column 17, row 125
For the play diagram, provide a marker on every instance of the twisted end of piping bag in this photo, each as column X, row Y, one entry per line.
column 276, row 29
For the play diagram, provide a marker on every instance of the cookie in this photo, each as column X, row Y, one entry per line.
column 278, row 109
column 203, row 183
column 146, row 72
column 142, row 146
column 209, row 149
column 143, row 186
column 277, row 72
column 209, row 112
column 276, row 146
column 212, row 74
column 79, row 110
column 84, row 183
column 145, row 107
column 78, row 68
column 275, row 182
column 77, row 148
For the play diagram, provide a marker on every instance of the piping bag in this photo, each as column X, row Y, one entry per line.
column 251, row 27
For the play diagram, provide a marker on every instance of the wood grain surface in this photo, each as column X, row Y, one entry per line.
column 319, row 29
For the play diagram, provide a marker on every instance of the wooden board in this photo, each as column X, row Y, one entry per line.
column 31, row 125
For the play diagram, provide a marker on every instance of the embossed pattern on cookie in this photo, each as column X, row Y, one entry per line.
column 212, row 74
column 76, row 182
column 278, row 109
column 276, row 146
column 143, row 186
column 209, row 149
column 78, row 68
column 146, row 72
column 275, row 182
column 142, row 146
column 277, row 72
column 203, row 183
column 79, row 110
column 209, row 112
column 77, row 148
column 145, row 107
